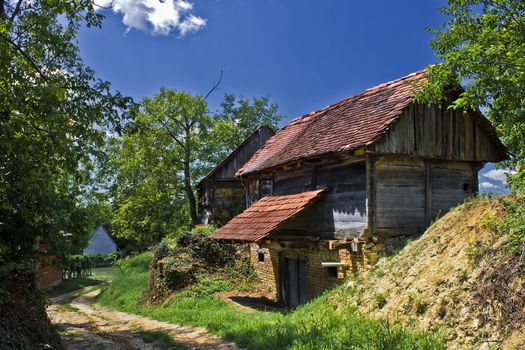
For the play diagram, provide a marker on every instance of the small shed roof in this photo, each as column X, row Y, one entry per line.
column 266, row 216
column 352, row 123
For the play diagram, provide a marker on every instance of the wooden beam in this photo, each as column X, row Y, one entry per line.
column 281, row 245
column 428, row 191
column 370, row 194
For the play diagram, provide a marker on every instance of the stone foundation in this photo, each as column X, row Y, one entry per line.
column 268, row 261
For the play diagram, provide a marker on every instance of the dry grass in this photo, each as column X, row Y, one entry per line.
column 433, row 283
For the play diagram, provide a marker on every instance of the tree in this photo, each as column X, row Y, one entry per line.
column 236, row 119
column 184, row 119
column 482, row 45
column 53, row 112
column 147, row 191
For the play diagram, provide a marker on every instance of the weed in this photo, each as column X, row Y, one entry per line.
column 421, row 306
column 380, row 300
column 462, row 275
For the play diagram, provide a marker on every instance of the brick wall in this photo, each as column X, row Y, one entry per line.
column 318, row 278
column 48, row 277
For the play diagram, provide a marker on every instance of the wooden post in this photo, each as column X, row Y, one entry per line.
column 428, row 191
column 370, row 195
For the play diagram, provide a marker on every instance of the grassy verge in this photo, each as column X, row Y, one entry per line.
column 99, row 275
column 316, row 325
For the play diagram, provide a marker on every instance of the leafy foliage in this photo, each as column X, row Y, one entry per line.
column 53, row 112
column 482, row 44
column 53, row 117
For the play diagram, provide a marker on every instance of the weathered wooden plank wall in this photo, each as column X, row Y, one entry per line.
column 400, row 194
column 440, row 133
column 410, row 192
column 342, row 211
column 242, row 154
column 452, row 182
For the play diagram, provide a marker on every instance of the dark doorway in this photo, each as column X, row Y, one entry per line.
column 294, row 283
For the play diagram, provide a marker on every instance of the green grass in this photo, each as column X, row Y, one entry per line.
column 71, row 285
column 106, row 274
column 316, row 325
column 99, row 275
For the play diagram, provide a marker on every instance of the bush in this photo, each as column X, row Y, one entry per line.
column 76, row 266
column 176, row 266
column 207, row 250
column 24, row 323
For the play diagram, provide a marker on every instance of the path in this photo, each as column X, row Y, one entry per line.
column 85, row 325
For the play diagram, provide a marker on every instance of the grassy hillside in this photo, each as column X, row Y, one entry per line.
column 317, row 325
column 463, row 278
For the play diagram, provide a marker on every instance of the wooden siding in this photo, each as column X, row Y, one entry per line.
column 224, row 200
column 440, row 133
column 221, row 193
column 452, row 182
column 400, row 194
column 340, row 213
column 411, row 192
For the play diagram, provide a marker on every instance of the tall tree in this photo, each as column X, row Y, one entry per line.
column 184, row 118
column 482, row 44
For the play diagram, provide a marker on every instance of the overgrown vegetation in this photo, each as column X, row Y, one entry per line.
column 317, row 324
column 197, row 264
column 503, row 263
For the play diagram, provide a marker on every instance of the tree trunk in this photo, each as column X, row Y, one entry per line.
column 189, row 193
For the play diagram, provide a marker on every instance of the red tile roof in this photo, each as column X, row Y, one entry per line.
column 265, row 216
column 349, row 124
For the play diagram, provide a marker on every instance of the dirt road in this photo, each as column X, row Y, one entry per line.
column 85, row 325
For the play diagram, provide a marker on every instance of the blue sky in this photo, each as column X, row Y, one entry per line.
column 305, row 54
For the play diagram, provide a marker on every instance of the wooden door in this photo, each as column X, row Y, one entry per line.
column 294, row 281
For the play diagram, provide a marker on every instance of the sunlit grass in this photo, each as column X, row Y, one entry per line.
column 316, row 325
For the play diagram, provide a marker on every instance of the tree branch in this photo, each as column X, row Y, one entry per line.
column 172, row 134
column 215, row 85
column 26, row 56
column 16, row 11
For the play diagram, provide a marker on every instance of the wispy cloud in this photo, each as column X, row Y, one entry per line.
column 157, row 17
column 485, row 185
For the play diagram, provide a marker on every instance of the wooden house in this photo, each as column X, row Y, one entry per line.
column 221, row 194
column 333, row 187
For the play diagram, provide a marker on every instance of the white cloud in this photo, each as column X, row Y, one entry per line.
column 191, row 24
column 485, row 185
column 498, row 175
column 158, row 17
